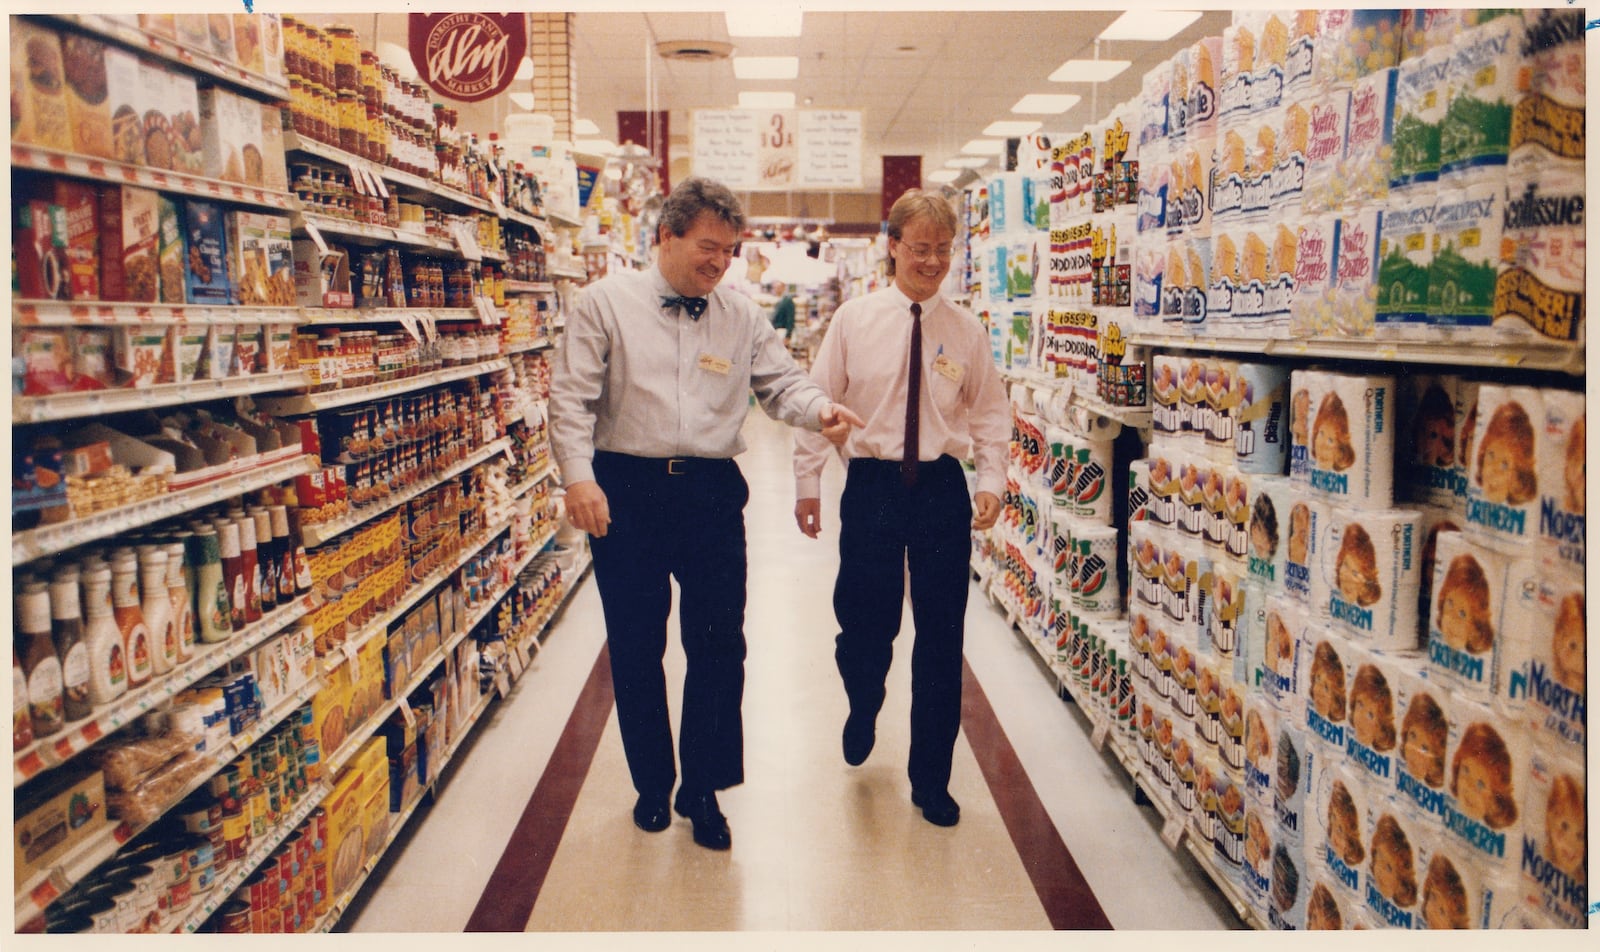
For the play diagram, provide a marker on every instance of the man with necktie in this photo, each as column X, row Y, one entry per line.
column 920, row 369
column 648, row 392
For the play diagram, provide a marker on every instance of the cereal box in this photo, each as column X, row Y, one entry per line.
column 182, row 112
column 130, row 220
column 125, row 106
column 170, row 267
column 39, row 244
column 206, row 257
column 80, row 207
column 39, row 112
column 87, row 94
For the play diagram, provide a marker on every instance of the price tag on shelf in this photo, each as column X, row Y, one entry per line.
column 1172, row 831
column 351, row 656
column 408, row 321
column 1098, row 738
column 502, row 682
column 316, row 237
column 486, row 312
column 466, row 242
column 357, row 179
column 515, row 662
column 377, row 179
column 430, row 330
column 407, row 714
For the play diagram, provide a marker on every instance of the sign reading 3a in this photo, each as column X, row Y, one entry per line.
column 468, row 56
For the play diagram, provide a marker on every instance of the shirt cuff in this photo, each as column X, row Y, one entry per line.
column 807, row 487
column 994, row 487
column 576, row 470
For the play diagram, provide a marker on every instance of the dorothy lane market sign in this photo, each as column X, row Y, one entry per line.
column 468, row 56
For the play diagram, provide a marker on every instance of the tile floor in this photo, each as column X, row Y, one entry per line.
column 817, row 845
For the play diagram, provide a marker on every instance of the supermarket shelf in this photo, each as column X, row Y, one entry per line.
column 258, row 85
column 118, row 314
column 416, row 186
column 301, row 404
column 541, row 343
column 320, row 533
column 524, row 218
column 514, row 286
column 104, row 170
column 557, row 218
column 545, row 472
column 74, row 405
column 1532, row 356
column 318, row 316
column 39, row 891
column 241, row 870
column 47, row 540
column 572, row 273
column 363, row 233
column 1097, row 416
column 50, row 752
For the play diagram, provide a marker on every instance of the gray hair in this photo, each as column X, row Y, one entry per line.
column 694, row 196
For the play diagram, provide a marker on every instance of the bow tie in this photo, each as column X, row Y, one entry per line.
column 693, row 306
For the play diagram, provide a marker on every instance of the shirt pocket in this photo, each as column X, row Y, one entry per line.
column 946, row 392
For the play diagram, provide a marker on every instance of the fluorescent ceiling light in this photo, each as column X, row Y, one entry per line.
column 601, row 147
column 1046, row 103
column 524, row 70
column 525, row 101
column 1150, row 25
column 763, row 21
column 943, row 175
column 750, row 99
column 969, row 162
column 1012, row 128
column 984, row 147
column 1088, row 71
column 614, row 172
column 584, row 127
column 766, row 67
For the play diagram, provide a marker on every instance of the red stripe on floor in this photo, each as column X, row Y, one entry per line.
column 507, row 900
column 1064, row 893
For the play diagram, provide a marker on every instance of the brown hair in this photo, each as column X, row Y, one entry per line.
column 1566, row 796
column 1569, row 614
column 1372, row 687
column 1327, row 664
column 1332, row 418
column 1340, row 803
column 1466, row 575
column 1425, row 715
column 1357, row 547
column 1444, row 880
column 917, row 203
column 1323, row 909
column 1390, row 838
column 1511, row 427
column 1484, row 744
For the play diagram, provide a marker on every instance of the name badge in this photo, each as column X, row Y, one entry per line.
column 947, row 368
column 711, row 363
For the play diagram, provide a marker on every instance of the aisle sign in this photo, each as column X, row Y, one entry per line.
column 776, row 149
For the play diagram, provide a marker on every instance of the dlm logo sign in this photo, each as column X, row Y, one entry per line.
column 467, row 56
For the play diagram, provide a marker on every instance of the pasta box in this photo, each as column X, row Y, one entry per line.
column 205, row 254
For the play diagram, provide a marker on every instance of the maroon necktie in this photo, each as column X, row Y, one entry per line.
column 908, row 464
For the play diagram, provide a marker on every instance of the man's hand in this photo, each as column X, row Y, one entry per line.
column 587, row 508
column 808, row 516
column 986, row 511
column 836, row 420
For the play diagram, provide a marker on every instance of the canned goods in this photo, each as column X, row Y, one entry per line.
column 234, row 917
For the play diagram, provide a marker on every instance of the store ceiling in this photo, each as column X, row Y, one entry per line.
column 925, row 82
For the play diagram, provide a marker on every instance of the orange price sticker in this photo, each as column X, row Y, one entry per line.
column 123, row 833
column 65, row 747
column 97, row 169
column 92, row 731
column 32, row 765
column 44, row 894
column 57, row 162
column 158, row 178
column 130, row 174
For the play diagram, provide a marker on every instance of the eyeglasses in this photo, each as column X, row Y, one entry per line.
column 924, row 252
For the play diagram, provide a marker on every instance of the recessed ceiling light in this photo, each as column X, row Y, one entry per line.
column 1088, row 71
column 1046, row 103
column 750, row 99
column 1012, row 128
column 969, row 162
column 766, row 67
column 943, row 175
column 763, row 21
column 1149, row 25
column 584, row 127
column 525, row 101
column 984, row 147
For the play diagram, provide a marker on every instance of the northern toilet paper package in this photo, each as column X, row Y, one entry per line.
column 1351, row 448
column 1306, row 536
column 1273, row 497
column 1503, row 476
column 1339, row 839
column 1546, row 602
column 1486, row 784
column 1421, row 765
column 1329, row 666
column 1561, row 466
column 1465, row 620
column 1391, row 883
column 1432, row 413
column 1553, row 853
column 1370, row 567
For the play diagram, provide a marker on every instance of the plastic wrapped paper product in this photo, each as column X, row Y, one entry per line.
column 1206, row 821
column 1166, row 419
column 1371, row 565
column 1238, row 501
column 1405, row 256
column 1373, row 740
column 1560, row 463
column 1433, row 524
column 1204, row 64
column 1369, row 153
column 1227, row 612
column 1422, row 94
column 1189, row 196
column 1547, row 603
column 1553, row 852
column 1467, row 617
column 1327, row 909
column 1306, row 540
column 1010, row 197
column 1352, row 439
column 1353, row 293
column 1538, row 292
column 1284, row 660
column 1192, row 472
column 1259, row 839
column 1338, row 842
column 1091, row 490
column 1459, row 893
column 1482, row 76
column 1099, row 591
column 1547, row 122
column 1302, row 383
column 1214, row 505
column 1327, row 127
column 1486, row 785
column 1155, row 102
column 1290, row 161
column 1239, row 42
column 1165, row 458
column 1429, row 468
column 1138, row 486
column 1155, row 187
column 1231, row 742
column 1503, row 478
column 1352, row 44
column 1329, row 664
column 1261, row 433
column 1424, row 708
column 1391, row 880
column 1273, row 498
column 1311, row 303
column 1228, row 849
column 1467, row 226
column 1149, row 273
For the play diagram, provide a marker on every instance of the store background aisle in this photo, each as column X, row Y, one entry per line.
column 817, row 845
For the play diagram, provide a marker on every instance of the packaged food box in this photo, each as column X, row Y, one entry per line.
column 205, row 255
column 247, row 42
column 191, row 29
column 130, row 219
column 88, row 94
column 263, row 258
column 164, row 25
column 182, row 104
column 271, row 45
column 156, row 129
column 170, row 252
column 219, row 36
column 93, row 357
column 142, row 354
column 80, row 209
column 38, row 87
column 274, row 166
column 39, row 244
column 53, row 820
column 38, row 480
column 231, row 135
column 125, row 105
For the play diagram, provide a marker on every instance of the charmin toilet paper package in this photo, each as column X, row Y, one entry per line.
column 1391, row 884
column 1553, row 853
column 1547, row 122
column 1192, row 400
column 1467, row 226
column 1145, row 541
column 1237, row 500
column 1185, row 650
column 1369, row 153
column 1223, row 397
column 1166, row 730
column 1183, row 599
column 1560, row 463
column 1352, row 44
column 1339, row 841
column 1370, row 564
column 1307, row 534
column 1503, row 476
column 1193, row 471
column 1285, row 662
column 1231, row 743
column 1486, row 784
column 1538, row 292
column 1214, row 525
column 1422, row 94
column 1458, row 893
column 1432, row 413
column 1294, row 764
column 1166, row 421
column 1228, row 849
column 1316, row 249
column 1261, row 433
column 1259, row 839
column 1208, row 699
column 1227, row 611
column 1352, row 439
column 1260, row 747
column 1420, row 767
column 1274, row 497
column 1354, row 292
column 1405, row 257
column 1327, row 125
column 1482, row 80
column 1206, row 822
column 1465, row 619
column 1328, row 670
column 1546, row 602
column 1372, row 741
column 1139, row 627
column 1144, row 734
column 1163, row 650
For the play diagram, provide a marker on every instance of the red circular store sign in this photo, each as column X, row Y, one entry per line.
column 467, row 56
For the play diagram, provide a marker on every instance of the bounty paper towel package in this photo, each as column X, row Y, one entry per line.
column 1352, row 439
column 1553, row 852
column 1327, row 687
column 1464, row 621
column 1420, row 765
column 1538, row 293
column 1486, row 784
column 1467, row 227
column 1370, row 564
column 1503, row 476
column 1273, row 498
column 1391, row 883
column 1547, row 602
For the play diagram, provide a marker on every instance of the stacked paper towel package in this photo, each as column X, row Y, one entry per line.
column 1410, row 175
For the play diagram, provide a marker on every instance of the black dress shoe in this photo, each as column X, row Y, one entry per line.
column 710, row 826
column 651, row 814
column 937, row 808
column 859, row 735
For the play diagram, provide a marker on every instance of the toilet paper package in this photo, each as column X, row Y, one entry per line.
column 1329, row 658
column 1193, row 471
column 1295, row 762
column 1547, row 603
column 1327, row 125
column 1185, row 650
column 1434, row 523
column 1481, row 77
column 1192, row 408
column 1166, row 420
column 1369, row 153
column 1145, row 557
column 1354, row 291
column 1390, row 882
column 1231, row 743
column 1303, row 578
column 1249, row 666
column 1259, row 840
column 1370, row 565
column 1227, row 612
column 1010, row 195
column 1149, row 267
column 1422, row 95
column 1431, row 415
column 1561, row 469
column 1553, row 852
column 1352, row 44
column 1372, row 740
column 1185, row 796
column 1503, row 479
column 1273, row 499
column 1285, row 659
column 1316, row 251
column 1139, row 630
column 1538, row 293
column 1327, row 909
column 1420, row 768
column 1260, row 747
column 1223, row 279
column 1166, row 731
column 1058, row 471
column 1237, row 499
column 1165, row 460
column 1204, row 63
column 1206, row 821
column 1458, row 893
column 1183, row 599
column 1547, row 122
column 1189, row 210
column 1224, row 394
column 1260, row 424
column 1210, row 670
column 1486, row 784
column 1228, row 849
column 1154, row 106
column 1467, row 224
column 1260, row 299
column 1288, row 175
column 1144, row 735
column 1339, row 840
column 1466, row 617
column 1405, row 258
column 1155, row 187
column 1214, row 523
column 1193, row 283
column 1163, row 651
column 1351, row 446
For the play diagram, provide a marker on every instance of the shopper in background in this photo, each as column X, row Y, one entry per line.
column 647, row 397
column 783, row 311
column 920, row 369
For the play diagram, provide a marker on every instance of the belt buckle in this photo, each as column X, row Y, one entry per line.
column 673, row 467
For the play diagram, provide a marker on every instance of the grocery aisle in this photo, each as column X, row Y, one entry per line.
column 818, row 845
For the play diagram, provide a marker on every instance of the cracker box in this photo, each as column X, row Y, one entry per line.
column 159, row 149
column 38, row 87
column 170, row 252
column 80, row 207
column 130, row 220
column 53, row 820
column 205, row 243
column 88, row 94
column 142, row 354
column 262, row 258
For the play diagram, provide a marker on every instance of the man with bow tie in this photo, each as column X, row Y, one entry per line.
column 649, row 390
